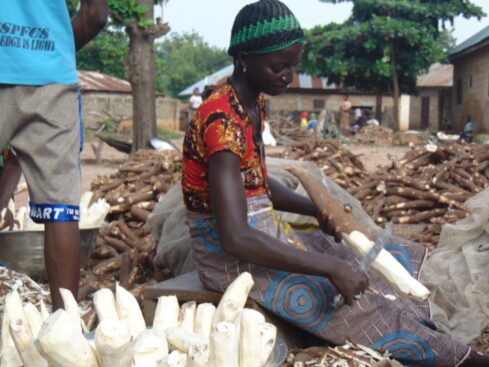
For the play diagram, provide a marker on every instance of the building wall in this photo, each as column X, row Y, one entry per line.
column 471, row 77
column 97, row 106
column 435, row 115
column 290, row 102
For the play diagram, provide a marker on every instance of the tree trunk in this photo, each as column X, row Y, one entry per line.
column 395, row 89
column 142, row 76
column 378, row 107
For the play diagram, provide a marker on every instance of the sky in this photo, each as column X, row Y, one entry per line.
column 213, row 19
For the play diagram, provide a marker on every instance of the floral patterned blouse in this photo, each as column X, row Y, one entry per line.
column 221, row 124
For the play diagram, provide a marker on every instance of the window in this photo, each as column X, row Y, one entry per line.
column 318, row 104
column 459, row 91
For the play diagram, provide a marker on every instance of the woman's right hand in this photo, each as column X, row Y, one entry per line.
column 350, row 281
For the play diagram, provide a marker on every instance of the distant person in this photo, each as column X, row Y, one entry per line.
column 345, row 110
column 468, row 132
column 358, row 112
column 447, row 127
column 304, row 119
column 195, row 100
column 193, row 104
column 360, row 122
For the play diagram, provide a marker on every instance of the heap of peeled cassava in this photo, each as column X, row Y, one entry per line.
column 188, row 335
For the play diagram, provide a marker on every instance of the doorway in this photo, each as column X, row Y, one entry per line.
column 425, row 112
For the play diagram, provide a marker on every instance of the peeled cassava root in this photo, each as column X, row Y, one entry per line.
column 166, row 314
column 181, row 336
column 358, row 238
column 62, row 344
column 386, row 265
column 113, row 343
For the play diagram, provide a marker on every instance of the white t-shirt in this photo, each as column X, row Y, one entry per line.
column 195, row 101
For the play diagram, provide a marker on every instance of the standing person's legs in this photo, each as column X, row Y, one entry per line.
column 47, row 145
column 62, row 258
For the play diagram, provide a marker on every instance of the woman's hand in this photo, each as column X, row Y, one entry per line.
column 350, row 281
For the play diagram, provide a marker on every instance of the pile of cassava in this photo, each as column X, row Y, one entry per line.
column 427, row 186
column 190, row 335
column 124, row 250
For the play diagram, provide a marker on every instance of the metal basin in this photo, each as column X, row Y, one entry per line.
column 23, row 251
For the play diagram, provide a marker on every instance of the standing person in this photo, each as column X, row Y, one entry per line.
column 195, row 100
column 193, row 104
column 230, row 203
column 40, row 120
column 468, row 132
column 345, row 110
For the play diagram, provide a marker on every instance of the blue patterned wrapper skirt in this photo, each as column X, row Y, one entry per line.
column 398, row 325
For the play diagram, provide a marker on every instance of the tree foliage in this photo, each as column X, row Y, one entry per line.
column 384, row 45
column 107, row 54
column 125, row 11
column 183, row 59
column 359, row 53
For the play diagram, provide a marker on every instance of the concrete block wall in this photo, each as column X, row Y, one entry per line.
column 96, row 106
column 291, row 102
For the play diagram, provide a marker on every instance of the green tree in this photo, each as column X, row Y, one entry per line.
column 136, row 16
column 384, row 45
column 183, row 59
column 107, row 54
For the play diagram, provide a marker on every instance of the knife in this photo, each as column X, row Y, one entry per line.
column 379, row 244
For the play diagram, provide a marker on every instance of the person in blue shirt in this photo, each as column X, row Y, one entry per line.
column 40, row 120
column 468, row 133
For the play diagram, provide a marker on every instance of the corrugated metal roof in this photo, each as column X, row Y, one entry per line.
column 301, row 81
column 212, row 79
column 93, row 81
column 439, row 75
column 472, row 41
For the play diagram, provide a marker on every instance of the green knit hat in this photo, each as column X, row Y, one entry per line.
column 263, row 27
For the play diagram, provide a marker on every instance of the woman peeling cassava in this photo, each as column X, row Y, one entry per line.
column 234, row 228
